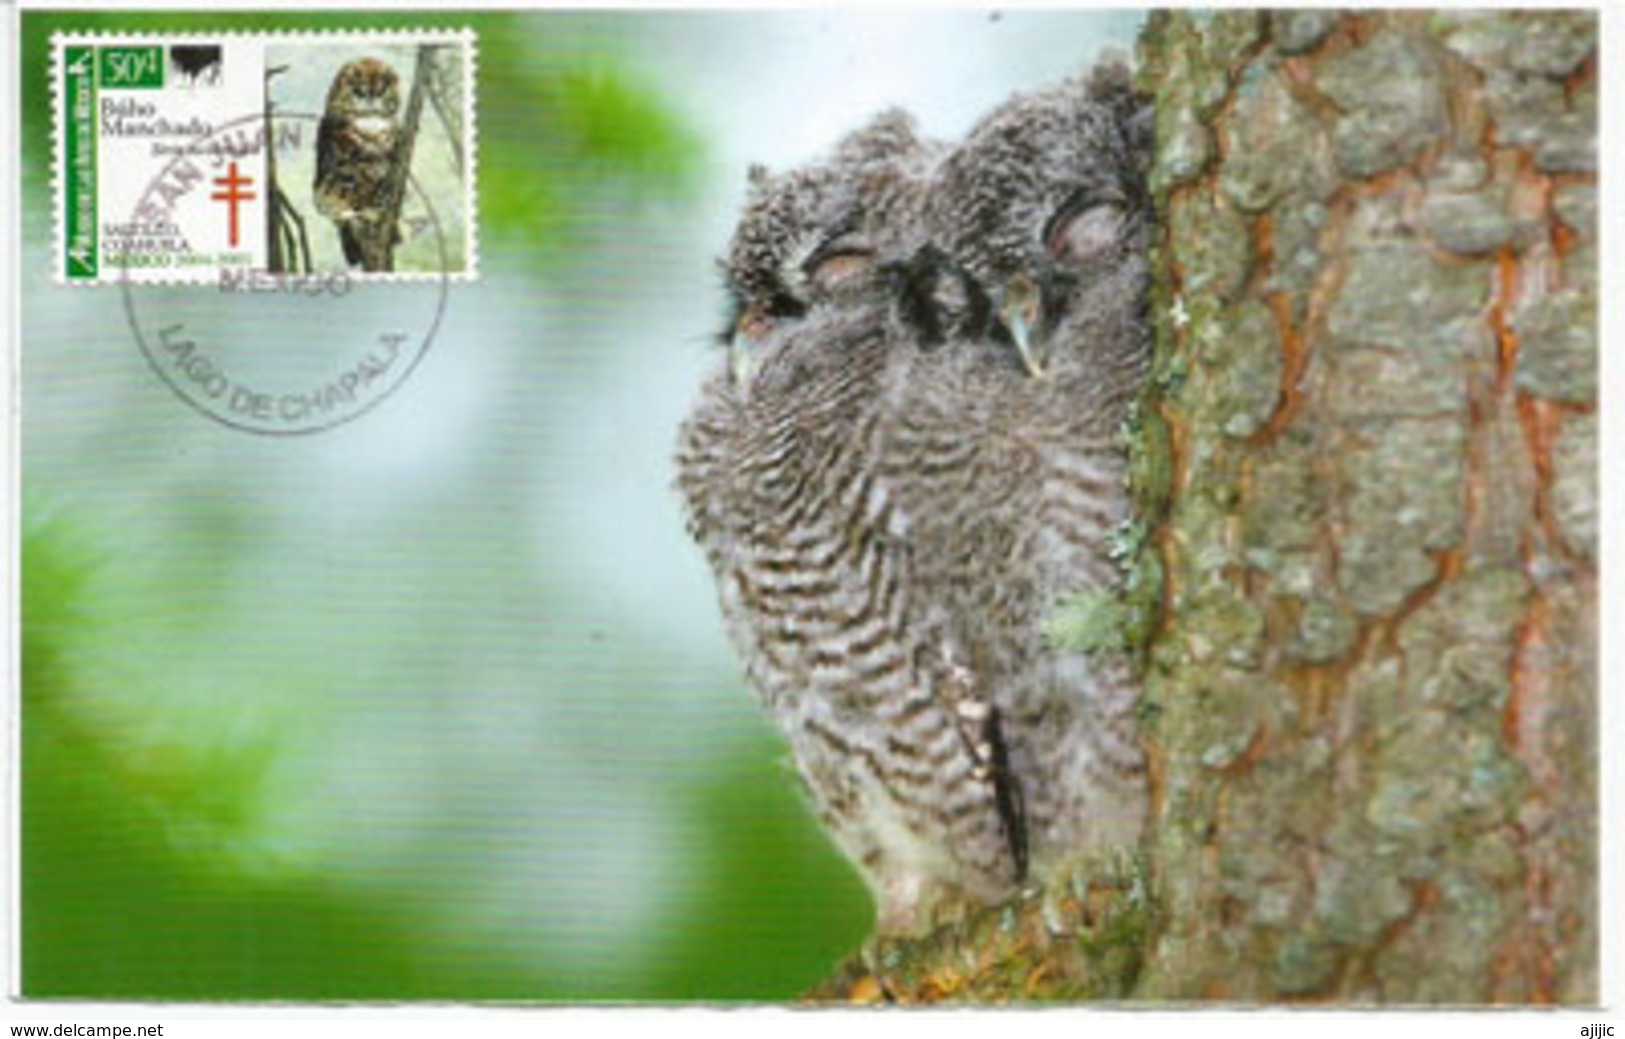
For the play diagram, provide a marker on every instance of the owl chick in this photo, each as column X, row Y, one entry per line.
column 1043, row 212
column 814, row 234
column 357, row 145
column 1046, row 199
column 892, row 503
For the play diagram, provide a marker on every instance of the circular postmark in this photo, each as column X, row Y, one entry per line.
column 278, row 354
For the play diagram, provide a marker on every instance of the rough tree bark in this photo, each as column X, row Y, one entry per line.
column 1366, row 463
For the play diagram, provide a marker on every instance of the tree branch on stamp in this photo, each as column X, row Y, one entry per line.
column 439, row 85
column 380, row 255
column 287, row 244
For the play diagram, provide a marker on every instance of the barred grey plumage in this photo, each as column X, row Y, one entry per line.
column 912, row 460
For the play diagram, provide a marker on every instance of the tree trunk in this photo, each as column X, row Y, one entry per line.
column 1366, row 461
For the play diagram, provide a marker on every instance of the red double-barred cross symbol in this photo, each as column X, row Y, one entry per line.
column 232, row 195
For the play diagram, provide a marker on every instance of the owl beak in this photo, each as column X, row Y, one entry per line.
column 753, row 325
column 740, row 358
column 1020, row 313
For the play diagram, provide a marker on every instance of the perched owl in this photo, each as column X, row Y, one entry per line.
column 911, row 460
column 1045, row 205
column 357, row 146
column 816, row 234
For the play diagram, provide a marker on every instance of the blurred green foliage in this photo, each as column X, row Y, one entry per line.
column 116, row 902
column 773, row 902
column 147, row 869
column 132, row 887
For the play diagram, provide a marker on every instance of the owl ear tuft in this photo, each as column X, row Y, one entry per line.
column 888, row 135
column 1112, row 79
column 1111, row 83
column 757, row 175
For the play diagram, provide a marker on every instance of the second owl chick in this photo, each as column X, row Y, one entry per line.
column 1045, row 204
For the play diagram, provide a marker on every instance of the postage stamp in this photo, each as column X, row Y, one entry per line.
column 194, row 159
